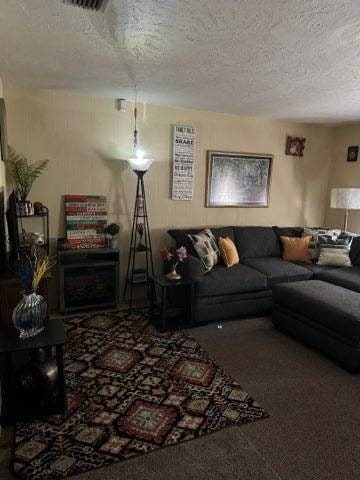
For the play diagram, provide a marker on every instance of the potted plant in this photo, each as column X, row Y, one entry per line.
column 24, row 173
column 173, row 257
column 113, row 230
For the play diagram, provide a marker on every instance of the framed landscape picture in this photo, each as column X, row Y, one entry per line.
column 238, row 179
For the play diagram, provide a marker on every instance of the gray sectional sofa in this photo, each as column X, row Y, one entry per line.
column 247, row 288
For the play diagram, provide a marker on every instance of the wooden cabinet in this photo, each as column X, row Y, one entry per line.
column 88, row 278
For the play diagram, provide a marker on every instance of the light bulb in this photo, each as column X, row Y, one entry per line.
column 139, row 153
column 139, row 162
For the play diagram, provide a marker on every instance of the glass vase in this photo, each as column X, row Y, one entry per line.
column 29, row 315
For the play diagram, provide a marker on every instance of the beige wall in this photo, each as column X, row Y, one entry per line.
column 85, row 138
column 344, row 174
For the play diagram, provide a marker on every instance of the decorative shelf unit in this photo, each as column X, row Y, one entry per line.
column 16, row 227
column 45, row 225
column 88, row 278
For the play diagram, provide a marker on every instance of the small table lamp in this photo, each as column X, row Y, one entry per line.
column 347, row 199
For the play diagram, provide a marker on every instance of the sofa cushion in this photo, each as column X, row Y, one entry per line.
column 278, row 270
column 347, row 277
column 181, row 236
column 206, row 247
column 225, row 281
column 316, row 269
column 288, row 231
column 334, row 255
column 334, row 307
column 355, row 251
column 253, row 242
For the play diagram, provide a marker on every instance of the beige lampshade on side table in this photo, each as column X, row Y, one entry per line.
column 346, row 199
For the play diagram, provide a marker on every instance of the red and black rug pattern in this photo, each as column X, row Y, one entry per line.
column 131, row 390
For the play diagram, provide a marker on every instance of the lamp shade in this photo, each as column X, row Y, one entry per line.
column 345, row 198
column 139, row 163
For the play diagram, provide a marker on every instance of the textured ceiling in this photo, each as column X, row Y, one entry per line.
column 293, row 59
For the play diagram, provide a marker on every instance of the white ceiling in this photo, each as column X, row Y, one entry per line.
column 288, row 59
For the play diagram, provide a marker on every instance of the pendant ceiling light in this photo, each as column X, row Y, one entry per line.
column 139, row 162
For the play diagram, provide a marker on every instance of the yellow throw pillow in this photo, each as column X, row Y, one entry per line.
column 296, row 249
column 228, row 251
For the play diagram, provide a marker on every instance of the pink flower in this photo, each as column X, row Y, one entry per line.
column 182, row 254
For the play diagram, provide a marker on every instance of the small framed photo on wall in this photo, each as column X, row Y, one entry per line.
column 352, row 154
column 295, row 146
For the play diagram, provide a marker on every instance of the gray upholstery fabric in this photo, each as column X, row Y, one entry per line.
column 347, row 277
column 220, row 307
column 278, row 270
column 192, row 268
column 288, row 231
column 344, row 350
column 253, row 242
column 225, row 281
column 334, row 307
column 355, row 251
column 317, row 269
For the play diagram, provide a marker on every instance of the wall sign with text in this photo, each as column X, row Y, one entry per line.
column 183, row 162
column 85, row 219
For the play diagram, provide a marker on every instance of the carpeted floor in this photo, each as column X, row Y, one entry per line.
column 312, row 432
column 131, row 390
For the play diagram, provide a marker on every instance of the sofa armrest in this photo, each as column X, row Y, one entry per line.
column 355, row 252
column 195, row 267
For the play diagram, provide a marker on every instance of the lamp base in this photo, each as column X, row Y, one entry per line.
column 346, row 218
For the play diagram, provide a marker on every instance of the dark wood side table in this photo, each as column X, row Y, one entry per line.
column 10, row 344
column 184, row 291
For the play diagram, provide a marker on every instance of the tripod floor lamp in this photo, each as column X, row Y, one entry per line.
column 140, row 251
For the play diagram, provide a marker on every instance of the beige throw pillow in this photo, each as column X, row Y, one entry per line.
column 228, row 251
column 205, row 246
column 296, row 249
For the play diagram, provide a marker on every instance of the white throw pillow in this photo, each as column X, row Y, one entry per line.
column 337, row 256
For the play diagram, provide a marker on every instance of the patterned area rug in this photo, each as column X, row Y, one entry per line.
column 131, row 390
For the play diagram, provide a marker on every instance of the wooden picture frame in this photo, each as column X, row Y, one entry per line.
column 295, row 146
column 238, row 179
column 352, row 153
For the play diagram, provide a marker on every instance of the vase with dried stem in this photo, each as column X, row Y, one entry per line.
column 29, row 314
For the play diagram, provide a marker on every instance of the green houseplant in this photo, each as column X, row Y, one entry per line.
column 113, row 230
column 23, row 172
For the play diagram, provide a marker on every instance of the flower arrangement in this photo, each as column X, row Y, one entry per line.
column 32, row 270
column 174, row 256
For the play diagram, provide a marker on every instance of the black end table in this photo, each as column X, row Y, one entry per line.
column 52, row 336
column 165, row 310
